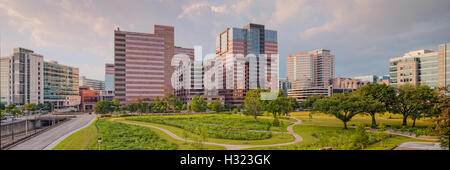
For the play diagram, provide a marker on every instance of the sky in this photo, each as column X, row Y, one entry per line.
column 363, row 34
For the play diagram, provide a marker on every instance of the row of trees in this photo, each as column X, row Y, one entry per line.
column 408, row 100
column 26, row 109
column 168, row 103
column 255, row 106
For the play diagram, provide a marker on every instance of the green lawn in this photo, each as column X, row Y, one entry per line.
column 317, row 137
column 220, row 126
column 320, row 119
column 78, row 140
column 120, row 136
column 276, row 137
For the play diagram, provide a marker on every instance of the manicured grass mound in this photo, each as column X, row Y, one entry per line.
column 79, row 140
column 216, row 126
column 120, row 136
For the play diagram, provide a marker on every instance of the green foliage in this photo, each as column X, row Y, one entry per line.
column 361, row 137
column 120, row 136
column 253, row 103
column 216, row 126
column 216, row 106
column 381, row 135
column 342, row 106
column 309, row 102
column 104, row 107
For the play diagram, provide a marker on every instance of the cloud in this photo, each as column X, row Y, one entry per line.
column 287, row 9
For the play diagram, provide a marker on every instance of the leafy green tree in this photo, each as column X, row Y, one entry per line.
column 253, row 103
column 202, row 104
column 235, row 111
column 342, row 106
column 183, row 107
column 170, row 101
column 281, row 105
column 425, row 99
column 442, row 122
column 2, row 106
column 376, row 98
column 381, row 135
column 193, row 104
column 405, row 102
column 179, row 105
column 103, row 107
column 309, row 102
column 216, row 106
column 116, row 105
column 361, row 138
column 157, row 105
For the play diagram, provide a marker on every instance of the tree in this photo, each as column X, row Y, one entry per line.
column 253, row 103
column 202, row 104
column 157, row 105
column 116, row 105
column 442, row 122
column 342, row 106
column 216, row 106
column 424, row 100
column 170, row 100
column 281, row 105
column 372, row 107
column 381, row 135
column 103, row 107
column 376, row 98
column 361, row 139
column 309, row 102
column 183, row 107
column 198, row 104
column 404, row 102
column 2, row 106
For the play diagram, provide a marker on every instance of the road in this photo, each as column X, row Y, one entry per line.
column 43, row 140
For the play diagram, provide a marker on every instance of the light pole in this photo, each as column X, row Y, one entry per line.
column 99, row 142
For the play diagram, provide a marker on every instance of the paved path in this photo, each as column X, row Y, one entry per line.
column 290, row 130
column 41, row 141
column 419, row 146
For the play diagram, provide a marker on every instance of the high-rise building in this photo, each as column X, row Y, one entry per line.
column 109, row 77
column 142, row 64
column 422, row 67
column 284, row 85
column 92, row 83
column 246, row 58
column 310, row 69
column 310, row 73
column 61, row 84
column 22, row 78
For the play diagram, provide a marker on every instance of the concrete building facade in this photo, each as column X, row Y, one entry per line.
column 142, row 66
column 109, row 77
column 22, row 77
column 92, row 83
column 61, row 86
column 422, row 67
column 310, row 69
column 348, row 83
column 245, row 59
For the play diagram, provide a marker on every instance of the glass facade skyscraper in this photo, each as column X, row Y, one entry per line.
column 421, row 67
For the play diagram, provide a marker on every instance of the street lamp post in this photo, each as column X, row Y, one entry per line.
column 99, row 142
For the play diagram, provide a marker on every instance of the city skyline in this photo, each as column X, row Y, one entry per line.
column 362, row 38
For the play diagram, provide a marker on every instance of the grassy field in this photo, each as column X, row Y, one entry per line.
column 120, row 136
column 79, row 140
column 276, row 137
column 393, row 120
column 220, row 126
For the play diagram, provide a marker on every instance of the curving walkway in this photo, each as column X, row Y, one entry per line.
column 290, row 130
